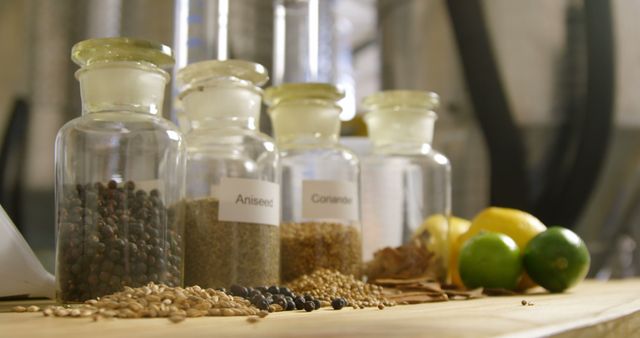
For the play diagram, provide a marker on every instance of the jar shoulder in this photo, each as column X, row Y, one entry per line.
column 327, row 154
column 431, row 157
column 230, row 138
column 121, row 123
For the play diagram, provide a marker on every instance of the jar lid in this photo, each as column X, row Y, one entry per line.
column 243, row 70
column 91, row 51
column 402, row 98
column 293, row 91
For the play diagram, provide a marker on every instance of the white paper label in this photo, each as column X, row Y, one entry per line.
column 330, row 199
column 249, row 201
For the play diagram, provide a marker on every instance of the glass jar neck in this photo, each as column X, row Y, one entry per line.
column 401, row 129
column 306, row 122
column 406, row 148
column 122, row 86
column 216, row 106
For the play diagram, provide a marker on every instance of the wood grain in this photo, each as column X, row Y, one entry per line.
column 594, row 309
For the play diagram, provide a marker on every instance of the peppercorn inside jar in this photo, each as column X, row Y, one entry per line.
column 119, row 175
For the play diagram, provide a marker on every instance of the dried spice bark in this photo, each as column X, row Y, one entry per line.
column 411, row 260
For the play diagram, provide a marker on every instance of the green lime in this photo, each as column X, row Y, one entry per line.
column 490, row 260
column 557, row 259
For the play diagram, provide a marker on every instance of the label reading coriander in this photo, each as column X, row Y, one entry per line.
column 249, row 201
column 330, row 199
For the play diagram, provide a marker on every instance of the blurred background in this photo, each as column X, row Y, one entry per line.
column 539, row 110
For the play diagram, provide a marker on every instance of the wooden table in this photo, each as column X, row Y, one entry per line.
column 593, row 309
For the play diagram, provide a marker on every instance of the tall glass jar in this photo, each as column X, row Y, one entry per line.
column 406, row 183
column 320, row 182
column 233, row 207
column 119, row 175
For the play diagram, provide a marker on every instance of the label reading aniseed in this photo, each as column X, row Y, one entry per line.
column 249, row 201
column 330, row 200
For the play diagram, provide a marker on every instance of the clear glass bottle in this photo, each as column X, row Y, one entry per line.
column 320, row 182
column 233, row 207
column 406, row 184
column 119, row 175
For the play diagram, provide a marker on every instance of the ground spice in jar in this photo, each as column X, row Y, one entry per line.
column 327, row 285
column 220, row 254
column 110, row 236
column 308, row 246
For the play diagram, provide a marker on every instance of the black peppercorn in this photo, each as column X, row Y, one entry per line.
column 130, row 185
column 290, row 305
column 316, row 303
column 107, row 240
column 338, row 303
column 274, row 290
column 299, row 302
column 285, row 291
column 257, row 299
column 254, row 293
column 262, row 305
column 238, row 290
column 309, row 306
column 282, row 302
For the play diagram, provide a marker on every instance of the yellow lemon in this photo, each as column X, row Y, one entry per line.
column 519, row 225
column 442, row 239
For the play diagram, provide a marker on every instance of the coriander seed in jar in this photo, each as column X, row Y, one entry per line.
column 320, row 182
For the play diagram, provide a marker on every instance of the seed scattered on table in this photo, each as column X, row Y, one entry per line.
column 33, row 308
column 157, row 300
column 326, row 285
column 19, row 309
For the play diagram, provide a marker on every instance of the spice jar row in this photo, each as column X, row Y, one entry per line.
column 214, row 202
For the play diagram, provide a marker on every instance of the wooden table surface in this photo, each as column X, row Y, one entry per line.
column 593, row 309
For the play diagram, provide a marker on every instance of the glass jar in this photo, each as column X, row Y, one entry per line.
column 406, row 184
column 119, row 175
column 233, row 208
column 320, row 182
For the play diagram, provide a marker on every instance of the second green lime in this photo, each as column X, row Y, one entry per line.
column 557, row 259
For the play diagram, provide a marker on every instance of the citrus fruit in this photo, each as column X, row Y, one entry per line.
column 519, row 225
column 441, row 240
column 557, row 259
column 440, row 232
column 490, row 260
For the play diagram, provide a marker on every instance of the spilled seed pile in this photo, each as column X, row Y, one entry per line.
column 327, row 285
column 158, row 300
column 322, row 288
